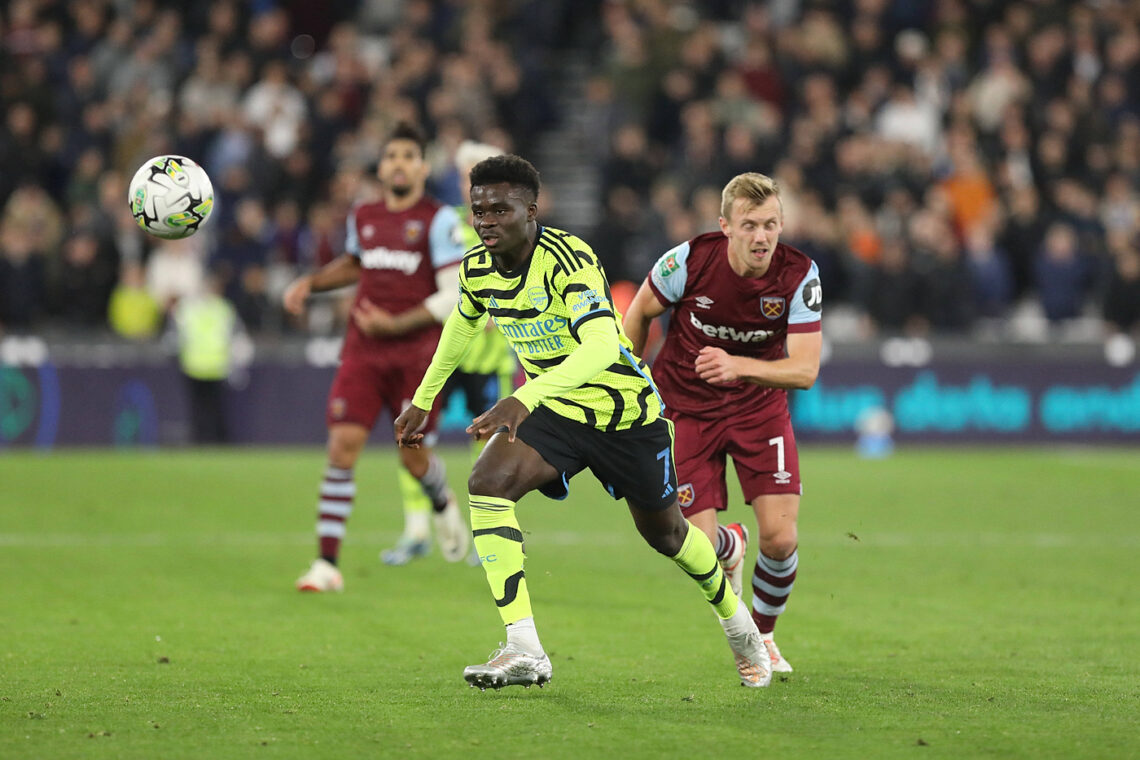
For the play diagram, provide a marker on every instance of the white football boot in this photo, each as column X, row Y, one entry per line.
column 734, row 565
column 779, row 664
column 322, row 576
column 451, row 531
column 407, row 548
column 509, row 665
column 753, row 662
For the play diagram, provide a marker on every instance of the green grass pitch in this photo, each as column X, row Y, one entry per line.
column 950, row 604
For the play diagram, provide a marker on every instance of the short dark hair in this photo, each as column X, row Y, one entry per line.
column 405, row 130
column 511, row 169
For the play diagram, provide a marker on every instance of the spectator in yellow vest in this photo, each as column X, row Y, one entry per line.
column 133, row 313
column 206, row 326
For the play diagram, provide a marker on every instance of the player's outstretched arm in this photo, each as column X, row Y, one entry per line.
column 643, row 309
column 457, row 333
column 341, row 271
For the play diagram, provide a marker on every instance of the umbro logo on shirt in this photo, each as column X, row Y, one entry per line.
column 704, row 302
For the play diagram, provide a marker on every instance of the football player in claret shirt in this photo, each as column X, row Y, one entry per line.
column 744, row 328
column 402, row 252
column 588, row 402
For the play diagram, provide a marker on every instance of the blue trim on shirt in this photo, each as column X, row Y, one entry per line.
column 798, row 312
column 629, row 358
column 673, row 285
column 351, row 238
column 445, row 238
column 590, row 315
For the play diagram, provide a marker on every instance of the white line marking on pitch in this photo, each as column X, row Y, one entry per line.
column 867, row 539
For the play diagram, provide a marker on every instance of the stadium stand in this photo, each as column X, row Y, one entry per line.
column 954, row 167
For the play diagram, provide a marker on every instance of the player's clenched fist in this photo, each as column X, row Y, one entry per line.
column 295, row 295
column 715, row 365
column 372, row 320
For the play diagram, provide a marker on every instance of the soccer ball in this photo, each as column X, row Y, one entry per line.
column 171, row 197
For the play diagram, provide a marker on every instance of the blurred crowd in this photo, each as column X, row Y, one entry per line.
column 286, row 105
column 953, row 166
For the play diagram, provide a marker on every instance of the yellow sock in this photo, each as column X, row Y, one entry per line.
column 477, row 449
column 698, row 558
column 499, row 541
column 417, row 506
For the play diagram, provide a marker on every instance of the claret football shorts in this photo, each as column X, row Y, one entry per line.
column 362, row 388
column 763, row 451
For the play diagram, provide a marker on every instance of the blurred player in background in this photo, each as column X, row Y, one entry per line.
column 484, row 376
column 745, row 327
column 403, row 251
column 588, row 403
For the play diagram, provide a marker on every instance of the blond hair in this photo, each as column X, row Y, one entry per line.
column 752, row 187
column 471, row 152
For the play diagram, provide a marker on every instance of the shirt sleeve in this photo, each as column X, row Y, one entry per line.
column 457, row 333
column 446, row 238
column 598, row 350
column 442, row 302
column 351, row 239
column 468, row 307
column 670, row 274
column 584, row 293
column 806, row 308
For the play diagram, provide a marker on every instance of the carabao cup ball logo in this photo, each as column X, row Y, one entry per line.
column 171, row 197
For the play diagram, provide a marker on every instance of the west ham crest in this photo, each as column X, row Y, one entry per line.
column 685, row 495
column 772, row 307
column 413, row 230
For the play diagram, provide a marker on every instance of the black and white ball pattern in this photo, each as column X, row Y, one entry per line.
column 171, row 197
